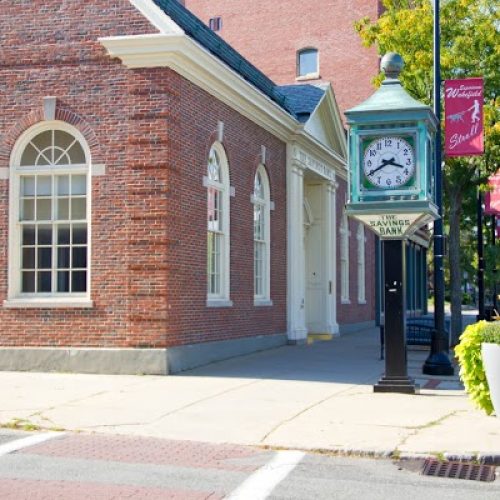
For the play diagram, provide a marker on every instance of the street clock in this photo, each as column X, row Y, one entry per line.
column 391, row 158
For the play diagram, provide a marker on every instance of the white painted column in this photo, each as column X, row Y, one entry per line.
column 330, row 226
column 296, row 319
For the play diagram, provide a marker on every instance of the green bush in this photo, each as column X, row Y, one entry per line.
column 468, row 352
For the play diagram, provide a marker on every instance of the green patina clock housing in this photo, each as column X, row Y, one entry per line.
column 391, row 156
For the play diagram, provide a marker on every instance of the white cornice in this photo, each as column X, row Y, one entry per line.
column 189, row 59
column 157, row 17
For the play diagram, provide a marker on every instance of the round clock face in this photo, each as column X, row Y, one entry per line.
column 389, row 162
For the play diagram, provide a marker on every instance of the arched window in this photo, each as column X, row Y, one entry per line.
column 261, row 236
column 344, row 259
column 49, row 224
column 308, row 63
column 217, row 183
column 360, row 237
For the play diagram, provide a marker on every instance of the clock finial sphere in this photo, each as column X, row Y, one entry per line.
column 392, row 64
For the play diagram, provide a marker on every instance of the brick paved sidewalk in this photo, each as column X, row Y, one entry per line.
column 79, row 467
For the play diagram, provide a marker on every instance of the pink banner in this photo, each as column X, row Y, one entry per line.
column 463, row 101
column 492, row 198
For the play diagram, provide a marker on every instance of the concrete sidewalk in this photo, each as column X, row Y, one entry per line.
column 312, row 397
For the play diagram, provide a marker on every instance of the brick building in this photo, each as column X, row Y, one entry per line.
column 163, row 203
column 297, row 42
column 294, row 41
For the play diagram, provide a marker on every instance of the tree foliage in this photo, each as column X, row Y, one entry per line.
column 470, row 32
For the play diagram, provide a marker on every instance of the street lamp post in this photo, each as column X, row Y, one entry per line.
column 438, row 362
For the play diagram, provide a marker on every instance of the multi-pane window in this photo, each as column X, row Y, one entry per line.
column 51, row 234
column 361, row 264
column 53, row 220
column 217, row 226
column 307, row 62
column 261, row 235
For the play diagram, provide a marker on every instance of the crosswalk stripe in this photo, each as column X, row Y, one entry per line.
column 262, row 482
column 19, row 444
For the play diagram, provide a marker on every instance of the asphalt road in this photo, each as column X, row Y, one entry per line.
column 74, row 466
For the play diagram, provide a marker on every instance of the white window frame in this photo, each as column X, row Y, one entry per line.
column 307, row 76
column 344, row 260
column 361, row 241
column 15, row 298
column 221, row 299
column 264, row 298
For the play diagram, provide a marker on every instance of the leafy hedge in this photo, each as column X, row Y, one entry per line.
column 468, row 352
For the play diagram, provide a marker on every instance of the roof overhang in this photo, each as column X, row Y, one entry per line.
column 189, row 59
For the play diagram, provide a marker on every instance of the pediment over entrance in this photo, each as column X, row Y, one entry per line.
column 325, row 124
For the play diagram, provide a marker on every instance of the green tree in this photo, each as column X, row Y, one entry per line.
column 469, row 48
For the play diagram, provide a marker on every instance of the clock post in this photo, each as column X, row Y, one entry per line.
column 392, row 191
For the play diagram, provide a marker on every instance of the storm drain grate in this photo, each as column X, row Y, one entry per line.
column 458, row 470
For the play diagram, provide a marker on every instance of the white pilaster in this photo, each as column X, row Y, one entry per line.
column 297, row 330
column 331, row 256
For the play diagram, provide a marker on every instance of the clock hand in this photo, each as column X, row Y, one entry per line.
column 382, row 165
column 392, row 162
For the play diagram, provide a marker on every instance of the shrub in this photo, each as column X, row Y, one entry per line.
column 468, row 352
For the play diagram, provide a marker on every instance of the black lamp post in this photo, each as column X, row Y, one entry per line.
column 438, row 362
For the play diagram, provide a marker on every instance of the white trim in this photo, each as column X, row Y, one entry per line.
column 220, row 131
column 232, row 191
column 224, row 188
column 262, row 302
column 219, row 303
column 263, row 153
column 344, row 260
column 272, row 206
column 157, row 17
column 4, row 173
column 296, row 320
column 264, row 202
column 48, row 303
column 309, row 76
column 361, row 263
column 49, row 108
column 98, row 169
column 192, row 61
column 14, row 296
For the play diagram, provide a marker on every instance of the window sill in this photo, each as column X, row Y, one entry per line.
column 345, row 301
column 262, row 302
column 48, row 303
column 219, row 303
column 310, row 76
column 362, row 302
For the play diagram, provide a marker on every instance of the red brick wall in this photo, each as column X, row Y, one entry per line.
column 152, row 129
column 269, row 34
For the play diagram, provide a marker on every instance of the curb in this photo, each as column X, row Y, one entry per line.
column 396, row 455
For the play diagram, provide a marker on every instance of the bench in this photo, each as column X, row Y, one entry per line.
column 419, row 331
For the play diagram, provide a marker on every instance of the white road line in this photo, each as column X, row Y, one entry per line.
column 19, row 444
column 262, row 482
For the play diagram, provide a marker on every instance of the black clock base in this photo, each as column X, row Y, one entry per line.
column 402, row 385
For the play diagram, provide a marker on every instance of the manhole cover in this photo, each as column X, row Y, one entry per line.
column 458, row 470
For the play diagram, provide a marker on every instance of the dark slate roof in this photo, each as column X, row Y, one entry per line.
column 301, row 100
column 197, row 30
